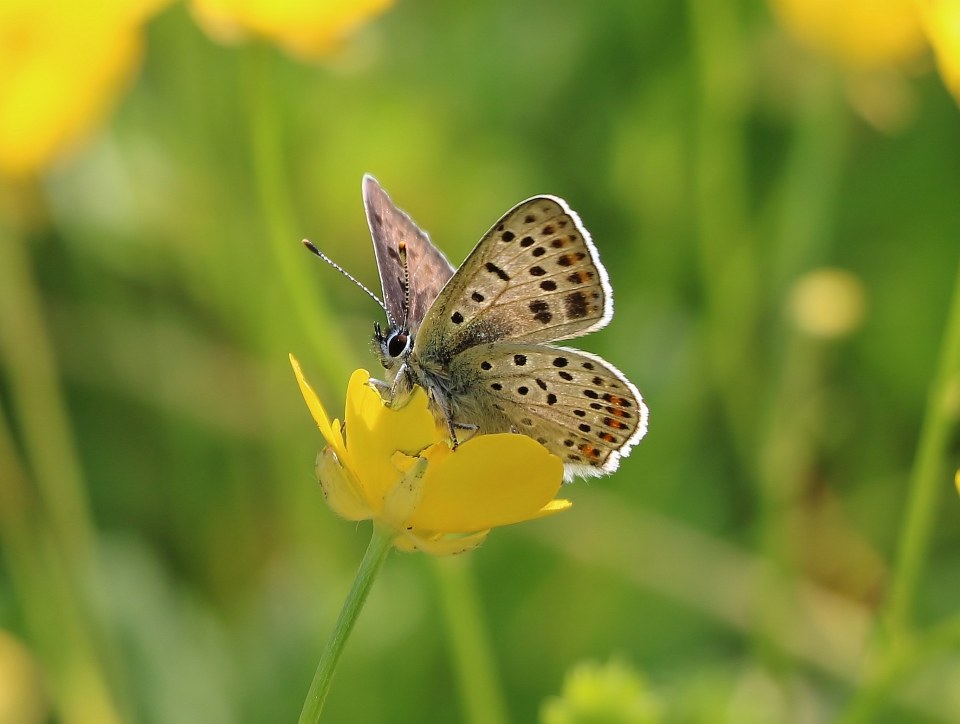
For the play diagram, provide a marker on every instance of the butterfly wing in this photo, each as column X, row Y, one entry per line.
column 428, row 269
column 534, row 277
column 578, row 406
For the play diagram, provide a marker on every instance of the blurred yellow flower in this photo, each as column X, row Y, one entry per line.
column 22, row 695
column 942, row 21
column 613, row 693
column 309, row 29
column 64, row 65
column 864, row 34
column 395, row 467
column 827, row 303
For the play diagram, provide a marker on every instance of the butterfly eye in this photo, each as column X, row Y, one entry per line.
column 398, row 343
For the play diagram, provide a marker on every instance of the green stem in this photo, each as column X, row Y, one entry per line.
column 49, row 536
column 38, row 404
column 284, row 232
column 926, row 480
column 927, row 477
column 372, row 561
column 908, row 657
column 805, row 203
column 476, row 673
column 788, row 445
column 727, row 258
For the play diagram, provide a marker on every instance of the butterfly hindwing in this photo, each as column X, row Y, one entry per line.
column 534, row 277
column 580, row 407
column 428, row 269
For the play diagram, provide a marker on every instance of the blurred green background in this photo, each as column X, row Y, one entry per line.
column 739, row 558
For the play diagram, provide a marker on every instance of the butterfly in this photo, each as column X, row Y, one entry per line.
column 478, row 339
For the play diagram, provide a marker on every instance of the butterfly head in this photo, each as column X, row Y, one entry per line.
column 393, row 346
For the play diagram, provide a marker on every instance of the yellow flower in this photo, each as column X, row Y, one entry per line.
column 64, row 65
column 22, row 695
column 395, row 467
column 613, row 692
column 310, row 29
column 860, row 33
column 942, row 22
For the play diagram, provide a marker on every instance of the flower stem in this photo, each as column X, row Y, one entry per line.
column 283, row 230
column 728, row 257
column 476, row 673
column 373, row 559
column 37, row 401
column 926, row 479
column 47, row 533
column 927, row 476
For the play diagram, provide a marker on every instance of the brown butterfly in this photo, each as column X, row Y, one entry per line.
column 477, row 339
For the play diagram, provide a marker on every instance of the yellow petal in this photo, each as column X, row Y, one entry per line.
column 440, row 545
column 331, row 433
column 860, row 33
column 489, row 481
column 340, row 489
column 942, row 22
column 404, row 497
column 374, row 433
column 553, row 507
column 64, row 69
column 308, row 28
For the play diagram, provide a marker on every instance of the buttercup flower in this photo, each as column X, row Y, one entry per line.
column 306, row 28
column 942, row 22
column 64, row 66
column 859, row 33
column 396, row 468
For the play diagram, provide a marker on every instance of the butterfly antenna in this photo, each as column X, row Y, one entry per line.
column 402, row 249
column 314, row 250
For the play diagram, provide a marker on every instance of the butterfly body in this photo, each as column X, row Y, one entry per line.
column 477, row 339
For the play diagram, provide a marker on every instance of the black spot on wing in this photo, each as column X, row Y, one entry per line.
column 494, row 269
column 576, row 305
column 570, row 259
column 541, row 311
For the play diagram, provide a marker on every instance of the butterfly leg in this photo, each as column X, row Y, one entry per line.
column 381, row 387
column 397, row 394
column 454, row 426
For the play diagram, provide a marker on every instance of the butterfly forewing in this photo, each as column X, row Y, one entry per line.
column 578, row 406
column 427, row 268
column 534, row 277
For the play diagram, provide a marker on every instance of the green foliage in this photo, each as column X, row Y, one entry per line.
column 759, row 528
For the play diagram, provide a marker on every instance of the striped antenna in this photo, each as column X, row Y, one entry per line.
column 314, row 250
